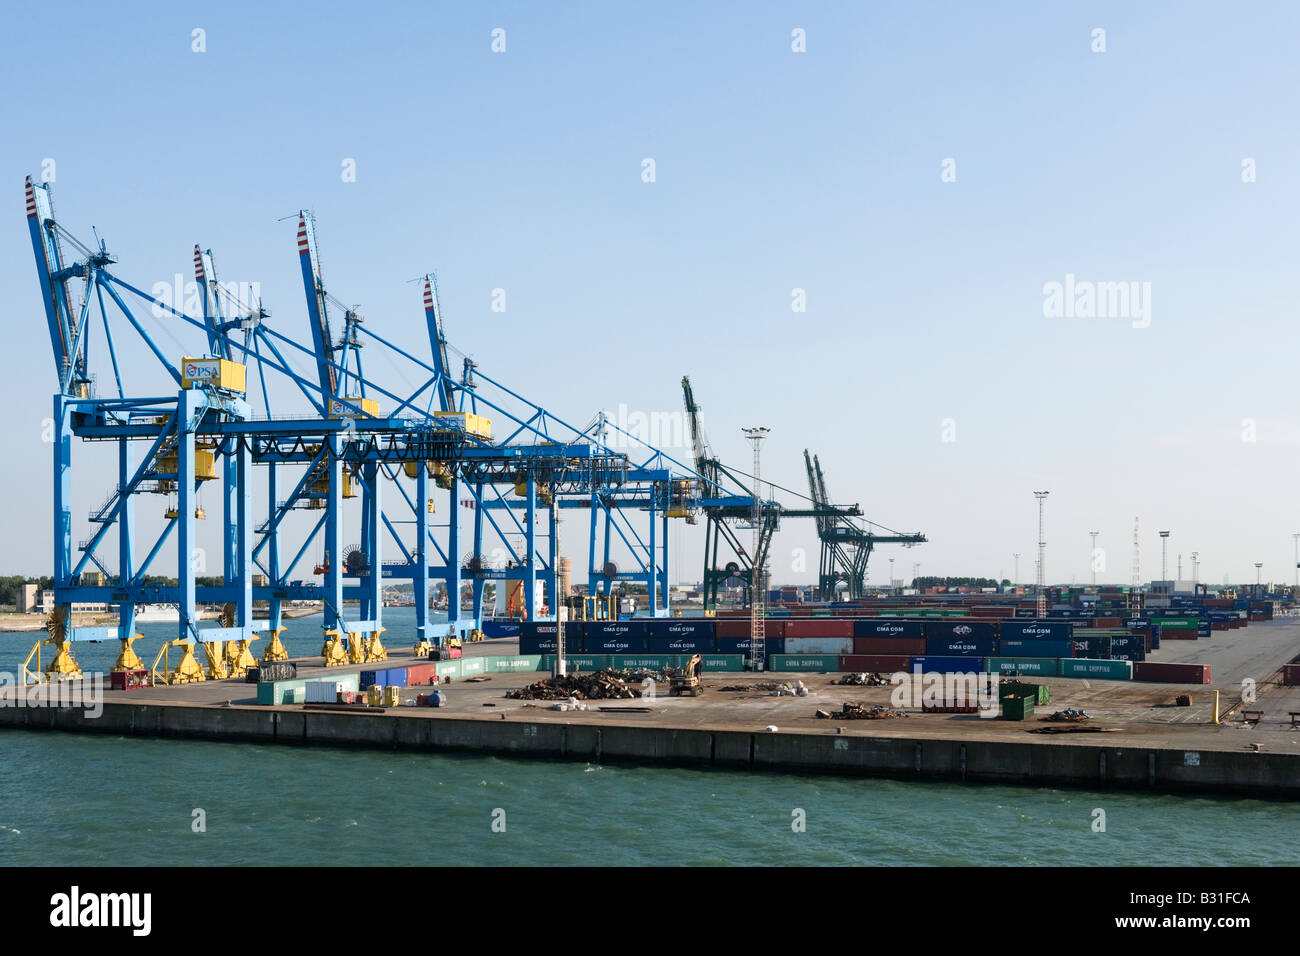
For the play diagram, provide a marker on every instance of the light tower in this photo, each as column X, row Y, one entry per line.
column 1258, row 566
column 758, row 573
column 1164, row 558
column 1042, row 596
column 1296, row 537
column 1092, row 557
column 1196, row 570
column 1016, row 580
column 891, row 575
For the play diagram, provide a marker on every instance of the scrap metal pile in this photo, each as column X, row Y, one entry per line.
column 1069, row 715
column 863, row 680
column 602, row 685
column 855, row 711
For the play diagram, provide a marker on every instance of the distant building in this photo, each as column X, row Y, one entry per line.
column 28, row 598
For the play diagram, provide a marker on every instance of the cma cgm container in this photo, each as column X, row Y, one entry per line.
column 1101, row 670
column 538, row 637
column 1042, row 630
column 968, row 628
column 701, row 642
column 911, row 646
column 818, row 627
column 699, row 628
column 818, row 645
column 1034, row 647
column 740, row 645
column 882, row 627
column 615, row 637
column 951, row 646
column 1168, row 673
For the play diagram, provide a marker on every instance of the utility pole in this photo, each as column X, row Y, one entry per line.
column 1195, row 571
column 891, row 575
column 1180, row 565
column 1042, row 544
column 1164, row 558
column 1258, row 565
column 1092, row 558
column 1015, row 582
column 758, row 576
column 1296, row 537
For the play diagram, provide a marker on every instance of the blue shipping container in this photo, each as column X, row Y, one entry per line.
column 546, row 643
column 371, row 678
column 878, row 627
column 1094, row 647
column 1034, row 647
column 596, row 631
column 1049, row 630
column 615, row 644
column 740, row 645
column 959, row 646
column 681, row 644
column 680, row 627
column 947, row 665
column 961, row 627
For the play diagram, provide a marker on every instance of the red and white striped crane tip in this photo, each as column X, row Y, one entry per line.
column 31, row 199
column 198, row 263
column 428, row 294
column 302, row 234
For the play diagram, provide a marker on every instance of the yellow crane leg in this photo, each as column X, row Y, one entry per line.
column 274, row 649
column 239, row 658
column 64, row 666
column 374, row 649
column 214, row 652
column 332, row 650
column 127, row 658
column 356, row 648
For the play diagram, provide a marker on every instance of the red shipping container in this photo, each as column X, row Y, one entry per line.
column 421, row 674
column 771, row 628
column 889, row 663
column 1107, row 622
column 1178, row 634
column 1291, row 675
column 1166, row 672
column 819, row 627
column 911, row 646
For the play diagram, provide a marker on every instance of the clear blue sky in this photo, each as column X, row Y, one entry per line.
column 775, row 170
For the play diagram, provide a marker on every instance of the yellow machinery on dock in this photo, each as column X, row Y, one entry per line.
column 275, row 651
column 332, row 651
column 188, row 669
column 64, row 666
column 127, row 658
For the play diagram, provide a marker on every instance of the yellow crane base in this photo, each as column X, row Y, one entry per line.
column 188, row 670
column 64, row 666
column 275, row 650
column 127, row 658
column 216, row 660
column 333, row 651
column 374, row 649
column 356, row 649
column 239, row 658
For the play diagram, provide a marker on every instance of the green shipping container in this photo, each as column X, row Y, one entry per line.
column 726, row 662
column 1099, row 670
column 1176, row 623
column 1029, row 666
column 507, row 665
column 471, row 666
column 282, row 692
column 447, row 669
column 1017, row 708
column 578, row 662
column 812, row 663
column 1038, row 693
column 654, row 662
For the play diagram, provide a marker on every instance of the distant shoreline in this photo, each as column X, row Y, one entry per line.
column 25, row 623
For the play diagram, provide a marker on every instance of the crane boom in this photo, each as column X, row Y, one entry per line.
column 317, row 309
column 438, row 343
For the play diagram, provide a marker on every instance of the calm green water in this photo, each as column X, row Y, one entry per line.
column 85, row 800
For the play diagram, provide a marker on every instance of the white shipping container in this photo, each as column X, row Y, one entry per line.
column 819, row 645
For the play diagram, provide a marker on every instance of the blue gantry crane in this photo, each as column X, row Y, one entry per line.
column 221, row 415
